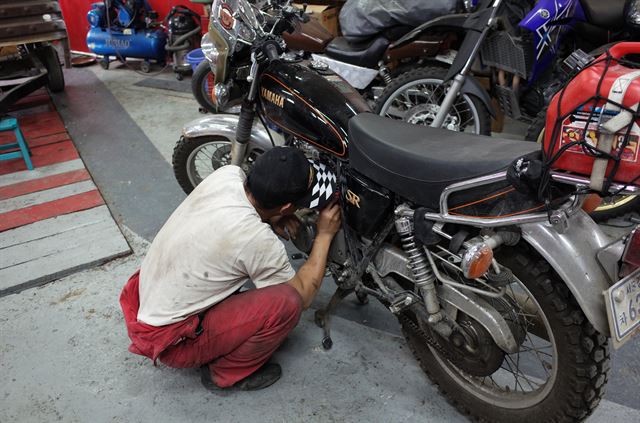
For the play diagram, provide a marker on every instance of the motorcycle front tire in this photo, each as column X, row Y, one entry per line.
column 201, row 86
column 583, row 354
column 433, row 74
column 614, row 207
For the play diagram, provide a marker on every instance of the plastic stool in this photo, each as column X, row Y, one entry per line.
column 11, row 124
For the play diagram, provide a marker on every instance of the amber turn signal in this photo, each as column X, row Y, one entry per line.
column 591, row 203
column 476, row 261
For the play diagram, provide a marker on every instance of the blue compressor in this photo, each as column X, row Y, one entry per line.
column 126, row 28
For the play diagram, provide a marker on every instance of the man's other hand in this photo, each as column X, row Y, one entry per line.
column 329, row 220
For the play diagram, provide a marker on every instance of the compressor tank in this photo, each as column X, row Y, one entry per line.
column 144, row 44
column 311, row 107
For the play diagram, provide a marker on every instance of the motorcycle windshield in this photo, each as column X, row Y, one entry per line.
column 231, row 21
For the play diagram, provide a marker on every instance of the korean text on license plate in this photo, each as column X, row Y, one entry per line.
column 623, row 308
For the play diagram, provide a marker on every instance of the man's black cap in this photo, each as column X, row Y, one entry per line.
column 284, row 175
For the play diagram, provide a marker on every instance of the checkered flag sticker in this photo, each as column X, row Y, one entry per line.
column 324, row 185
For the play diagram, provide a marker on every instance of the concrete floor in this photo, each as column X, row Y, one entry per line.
column 73, row 365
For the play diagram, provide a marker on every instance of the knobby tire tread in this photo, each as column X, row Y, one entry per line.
column 584, row 367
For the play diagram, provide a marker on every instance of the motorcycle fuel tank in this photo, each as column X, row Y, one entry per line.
column 311, row 107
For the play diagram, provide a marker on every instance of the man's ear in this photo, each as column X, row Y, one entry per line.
column 288, row 208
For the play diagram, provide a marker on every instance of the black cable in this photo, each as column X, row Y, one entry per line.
column 264, row 123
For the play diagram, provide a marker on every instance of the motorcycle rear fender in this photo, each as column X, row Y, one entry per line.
column 574, row 256
column 224, row 126
column 471, row 86
column 453, row 22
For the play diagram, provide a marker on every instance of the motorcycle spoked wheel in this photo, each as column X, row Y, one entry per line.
column 572, row 367
column 201, row 85
column 415, row 97
column 611, row 207
column 196, row 158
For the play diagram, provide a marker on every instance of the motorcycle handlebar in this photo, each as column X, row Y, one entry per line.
column 271, row 51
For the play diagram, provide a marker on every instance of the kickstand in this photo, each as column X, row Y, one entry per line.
column 323, row 315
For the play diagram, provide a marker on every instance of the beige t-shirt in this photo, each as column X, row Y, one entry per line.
column 211, row 245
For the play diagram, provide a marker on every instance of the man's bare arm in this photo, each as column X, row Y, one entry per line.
column 309, row 277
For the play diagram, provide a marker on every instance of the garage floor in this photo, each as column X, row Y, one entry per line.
column 64, row 354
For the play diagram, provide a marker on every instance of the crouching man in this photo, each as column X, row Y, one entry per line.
column 183, row 307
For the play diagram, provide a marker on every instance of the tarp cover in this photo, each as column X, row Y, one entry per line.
column 365, row 18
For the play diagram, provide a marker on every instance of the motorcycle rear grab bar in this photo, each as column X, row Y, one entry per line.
column 572, row 208
column 483, row 222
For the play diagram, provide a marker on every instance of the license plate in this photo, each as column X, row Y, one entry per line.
column 623, row 308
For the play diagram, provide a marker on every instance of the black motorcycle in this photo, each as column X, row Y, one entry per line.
column 499, row 294
column 527, row 50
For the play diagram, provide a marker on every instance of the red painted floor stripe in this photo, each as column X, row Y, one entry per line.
column 35, row 99
column 42, row 156
column 41, row 124
column 74, row 203
column 6, row 138
column 48, row 139
column 41, row 184
column 37, row 125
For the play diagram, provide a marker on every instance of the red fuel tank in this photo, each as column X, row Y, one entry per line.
column 590, row 99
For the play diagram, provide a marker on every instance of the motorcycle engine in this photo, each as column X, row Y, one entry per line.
column 303, row 241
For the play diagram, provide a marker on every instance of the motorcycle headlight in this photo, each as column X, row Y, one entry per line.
column 215, row 50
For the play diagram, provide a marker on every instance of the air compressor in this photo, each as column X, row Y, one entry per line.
column 126, row 28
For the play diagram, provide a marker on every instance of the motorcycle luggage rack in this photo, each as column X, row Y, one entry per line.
column 484, row 222
column 615, row 188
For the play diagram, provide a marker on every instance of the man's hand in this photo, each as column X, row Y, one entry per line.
column 309, row 277
column 286, row 226
column 329, row 220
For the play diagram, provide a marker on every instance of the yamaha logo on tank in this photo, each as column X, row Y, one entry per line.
column 272, row 97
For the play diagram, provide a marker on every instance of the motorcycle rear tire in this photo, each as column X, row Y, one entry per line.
column 436, row 73
column 199, row 86
column 582, row 353
column 618, row 206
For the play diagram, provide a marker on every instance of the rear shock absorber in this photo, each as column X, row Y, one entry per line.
column 422, row 273
column 384, row 73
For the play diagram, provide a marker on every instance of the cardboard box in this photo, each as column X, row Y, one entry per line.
column 327, row 15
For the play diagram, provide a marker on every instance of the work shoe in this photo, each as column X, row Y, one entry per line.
column 265, row 376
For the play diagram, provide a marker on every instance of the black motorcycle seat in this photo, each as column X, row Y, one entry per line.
column 360, row 53
column 606, row 14
column 419, row 162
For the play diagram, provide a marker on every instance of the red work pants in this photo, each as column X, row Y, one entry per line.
column 239, row 334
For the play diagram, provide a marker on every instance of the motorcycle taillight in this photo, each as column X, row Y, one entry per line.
column 631, row 255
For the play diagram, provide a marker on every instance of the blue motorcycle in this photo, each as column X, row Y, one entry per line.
column 517, row 45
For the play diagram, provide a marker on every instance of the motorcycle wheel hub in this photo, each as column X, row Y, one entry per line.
column 478, row 355
column 424, row 114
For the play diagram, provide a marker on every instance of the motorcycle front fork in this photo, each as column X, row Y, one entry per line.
column 247, row 115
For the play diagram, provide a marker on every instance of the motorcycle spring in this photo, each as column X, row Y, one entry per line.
column 420, row 267
column 386, row 75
